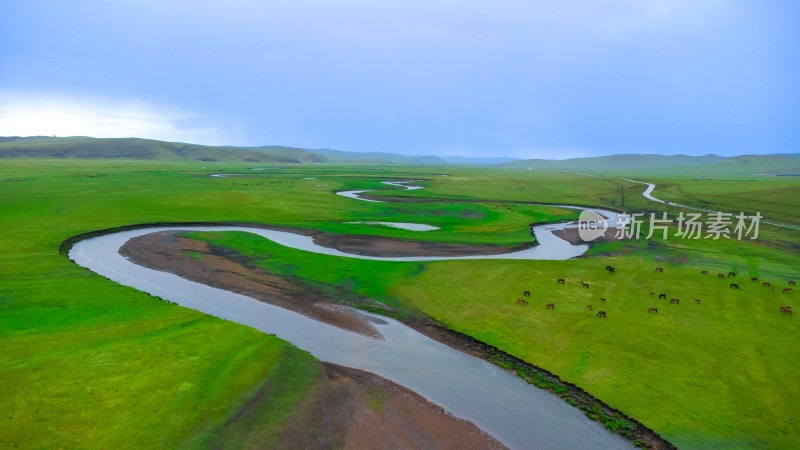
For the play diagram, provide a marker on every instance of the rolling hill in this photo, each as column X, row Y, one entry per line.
column 619, row 161
column 778, row 165
column 146, row 149
column 482, row 161
column 82, row 147
column 376, row 157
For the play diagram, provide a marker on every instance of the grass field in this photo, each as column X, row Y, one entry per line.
column 709, row 375
column 776, row 198
column 714, row 374
column 81, row 357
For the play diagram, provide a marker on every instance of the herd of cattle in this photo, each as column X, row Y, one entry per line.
column 654, row 310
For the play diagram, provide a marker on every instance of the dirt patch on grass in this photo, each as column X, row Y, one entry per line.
column 391, row 247
column 353, row 409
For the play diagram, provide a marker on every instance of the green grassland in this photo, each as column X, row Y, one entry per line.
column 712, row 375
column 86, row 362
column 708, row 375
column 706, row 165
column 776, row 198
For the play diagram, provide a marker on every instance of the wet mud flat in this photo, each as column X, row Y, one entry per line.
column 368, row 245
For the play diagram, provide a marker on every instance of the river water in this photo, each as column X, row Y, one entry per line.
column 400, row 225
column 500, row 403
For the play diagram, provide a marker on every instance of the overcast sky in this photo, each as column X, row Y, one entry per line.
column 524, row 78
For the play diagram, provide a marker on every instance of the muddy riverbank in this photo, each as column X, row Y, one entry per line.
column 352, row 409
column 170, row 252
column 218, row 267
column 360, row 244
column 572, row 235
column 495, row 400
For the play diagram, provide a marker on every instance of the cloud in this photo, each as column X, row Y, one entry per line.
column 410, row 75
column 40, row 114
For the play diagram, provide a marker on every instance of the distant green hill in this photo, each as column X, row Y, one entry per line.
column 738, row 166
column 755, row 164
column 288, row 153
column 147, row 149
column 376, row 157
column 480, row 161
column 621, row 161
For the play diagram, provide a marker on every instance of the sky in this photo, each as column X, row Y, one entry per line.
column 525, row 79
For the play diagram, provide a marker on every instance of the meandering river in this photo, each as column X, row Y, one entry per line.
column 497, row 401
column 648, row 194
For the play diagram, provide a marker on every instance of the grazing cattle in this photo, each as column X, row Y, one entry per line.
column 754, row 279
column 704, row 272
column 653, row 310
column 766, row 284
column 734, row 286
column 610, row 269
column 720, row 275
column 659, row 269
column 522, row 302
column 786, row 309
column 602, row 300
column 526, row 294
column 586, row 285
column 601, row 313
column 652, row 294
column 550, row 306
column 660, row 296
column 697, row 300
column 560, row 281
column 589, row 306
column 731, row 274
column 675, row 301
column 785, row 290
column 792, row 283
